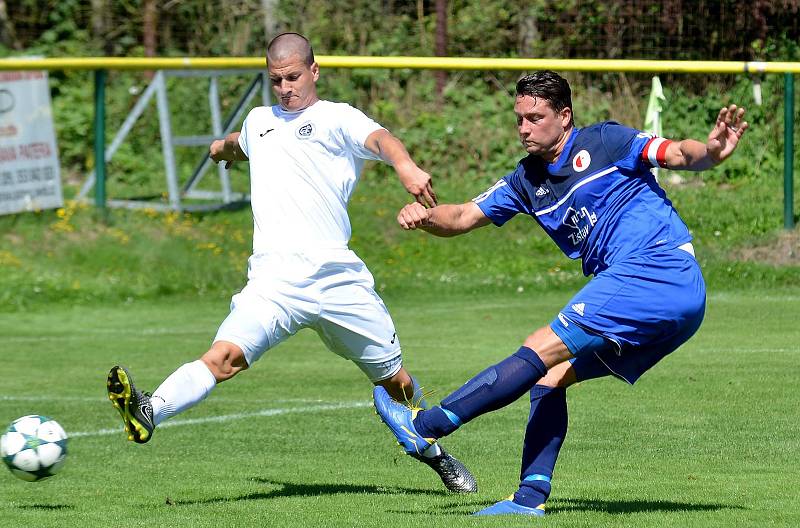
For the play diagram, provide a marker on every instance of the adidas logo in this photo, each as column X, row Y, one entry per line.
column 579, row 308
column 541, row 191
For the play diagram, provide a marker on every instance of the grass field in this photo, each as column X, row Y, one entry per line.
column 708, row 438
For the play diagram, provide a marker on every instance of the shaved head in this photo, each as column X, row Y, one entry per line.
column 287, row 45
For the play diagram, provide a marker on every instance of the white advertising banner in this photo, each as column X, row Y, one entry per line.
column 30, row 177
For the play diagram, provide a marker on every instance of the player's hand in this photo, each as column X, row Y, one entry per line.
column 726, row 133
column 412, row 216
column 418, row 183
column 217, row 153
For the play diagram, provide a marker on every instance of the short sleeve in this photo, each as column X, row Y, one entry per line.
column 633, row 149
column 501, row 202
column 355, row 129
column 243, row 137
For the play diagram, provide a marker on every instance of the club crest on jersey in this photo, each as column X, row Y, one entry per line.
column 581, row 161
column 305, row 131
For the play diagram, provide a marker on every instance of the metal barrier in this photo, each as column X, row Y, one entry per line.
column 158, row 89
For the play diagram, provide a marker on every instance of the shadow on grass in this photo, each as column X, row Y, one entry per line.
column 558, row 506
column 635, row 506
column 46, row 507
column 291, row 489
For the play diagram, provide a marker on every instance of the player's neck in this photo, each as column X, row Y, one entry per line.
column 558, row 148
column 299, row 110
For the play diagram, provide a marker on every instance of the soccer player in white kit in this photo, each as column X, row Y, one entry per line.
column 305, row 158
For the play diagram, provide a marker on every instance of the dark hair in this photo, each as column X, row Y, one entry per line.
column 292, row 36
column 547, row 85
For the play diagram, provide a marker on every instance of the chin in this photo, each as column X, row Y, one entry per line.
column 294, row 106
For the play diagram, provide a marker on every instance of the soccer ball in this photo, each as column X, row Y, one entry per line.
column 34, row 447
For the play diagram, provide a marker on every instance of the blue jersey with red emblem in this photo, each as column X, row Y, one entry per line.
column 599, row 201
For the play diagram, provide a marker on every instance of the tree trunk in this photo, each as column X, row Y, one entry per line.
column 8, row 35
column 270, row 22
column 150, row 31
column 529, row 34
column 440, row 45
column 150, row 28
column 100, row 9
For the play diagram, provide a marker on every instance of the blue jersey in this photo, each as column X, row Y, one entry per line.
column 599, row 201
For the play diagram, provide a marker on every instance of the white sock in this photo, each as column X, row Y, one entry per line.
column 432, row 451
column 184, row 388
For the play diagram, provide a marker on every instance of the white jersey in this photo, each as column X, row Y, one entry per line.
column 303, row 168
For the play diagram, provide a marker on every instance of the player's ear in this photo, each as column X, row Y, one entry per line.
column 315, row 71
column 566, row 117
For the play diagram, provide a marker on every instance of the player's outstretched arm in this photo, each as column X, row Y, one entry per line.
column 391, row 150
column 444, row 220
column 690, row 154
column 227, row 150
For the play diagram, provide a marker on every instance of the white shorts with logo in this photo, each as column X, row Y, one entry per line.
column 331, row 291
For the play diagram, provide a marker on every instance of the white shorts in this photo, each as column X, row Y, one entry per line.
column 331, row 291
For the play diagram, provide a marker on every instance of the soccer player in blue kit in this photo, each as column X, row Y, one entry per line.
column 591, row 189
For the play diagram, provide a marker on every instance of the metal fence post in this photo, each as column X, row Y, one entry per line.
column 100, row 140
column 788, row 151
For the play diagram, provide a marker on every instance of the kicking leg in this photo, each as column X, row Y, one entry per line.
column 192, row 382
column 184, row 388
column 495, row 387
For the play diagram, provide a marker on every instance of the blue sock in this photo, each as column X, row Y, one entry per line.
column 544, row 435
column 495, row 387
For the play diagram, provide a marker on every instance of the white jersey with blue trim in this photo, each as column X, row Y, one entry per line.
column 599, row 201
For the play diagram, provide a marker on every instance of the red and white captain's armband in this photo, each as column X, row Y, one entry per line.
column 655, row 151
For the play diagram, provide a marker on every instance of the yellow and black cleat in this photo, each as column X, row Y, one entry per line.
column 133, row 405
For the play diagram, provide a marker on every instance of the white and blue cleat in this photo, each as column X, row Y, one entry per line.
column 509, row 507
column 400, row 420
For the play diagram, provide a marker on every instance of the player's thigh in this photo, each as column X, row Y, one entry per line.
column 256, row 323
column 355, row 324
column 632, row 315
column 645, row 300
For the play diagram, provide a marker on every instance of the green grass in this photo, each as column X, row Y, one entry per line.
column 708, row 438
column 69, row 256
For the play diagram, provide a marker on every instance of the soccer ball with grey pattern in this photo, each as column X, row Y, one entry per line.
column 34, row 447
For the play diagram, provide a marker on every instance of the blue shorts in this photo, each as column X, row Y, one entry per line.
column 642, row 308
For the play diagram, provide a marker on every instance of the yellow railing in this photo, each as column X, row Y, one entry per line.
column 430, row 63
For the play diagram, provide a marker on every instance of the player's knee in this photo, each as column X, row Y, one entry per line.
column 561, row 375
column 224, row 360
column 548, row 346
column 536, row 339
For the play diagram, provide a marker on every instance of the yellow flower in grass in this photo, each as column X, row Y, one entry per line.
column 121, row 236
column 210, row 247
column 65, row 215
column 9, row 259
